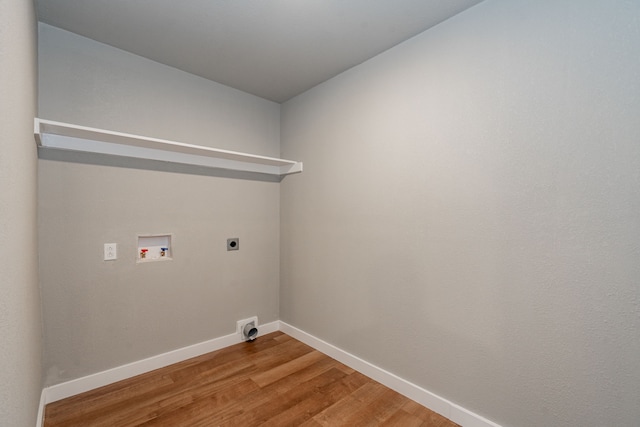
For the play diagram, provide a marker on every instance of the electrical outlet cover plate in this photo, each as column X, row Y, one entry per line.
column 110, row 251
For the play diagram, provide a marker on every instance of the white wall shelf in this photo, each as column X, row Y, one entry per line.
column 64, row 136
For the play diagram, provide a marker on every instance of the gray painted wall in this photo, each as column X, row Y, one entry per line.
column 98, row 314
column 468, row 218
column 20, row 320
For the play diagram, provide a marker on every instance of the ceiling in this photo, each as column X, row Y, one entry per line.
column 275, row 49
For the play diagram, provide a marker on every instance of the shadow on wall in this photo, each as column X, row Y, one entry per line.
column 153, row 165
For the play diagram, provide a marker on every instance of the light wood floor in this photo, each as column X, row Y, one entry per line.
column 273, row 381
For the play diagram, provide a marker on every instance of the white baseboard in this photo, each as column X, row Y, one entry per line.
column 41, row 405
column 90, row 382
column 442, row 406
column 454, row 412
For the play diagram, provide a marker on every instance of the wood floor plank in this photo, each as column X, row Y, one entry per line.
column 275, row 405
column 295, row 379
column 431, row 419
column 323, row 397
column 340, row 413
column 288, row 368
column 378, row 410
column 274, row 381
column 402, row 418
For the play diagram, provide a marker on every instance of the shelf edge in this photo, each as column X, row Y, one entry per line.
column 71, row 137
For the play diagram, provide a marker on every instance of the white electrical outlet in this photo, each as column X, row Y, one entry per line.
column 110, row 251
